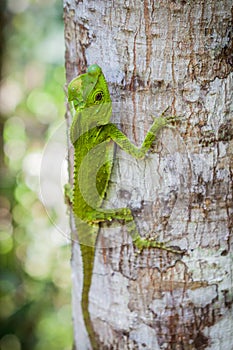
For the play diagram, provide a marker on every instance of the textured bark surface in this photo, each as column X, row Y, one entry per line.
column 156, row 54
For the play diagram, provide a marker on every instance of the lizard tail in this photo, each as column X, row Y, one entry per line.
column 88, row 255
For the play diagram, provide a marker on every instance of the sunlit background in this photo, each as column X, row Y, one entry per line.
column 35, row 255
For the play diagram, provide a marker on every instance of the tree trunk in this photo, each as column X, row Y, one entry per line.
column 159, row 54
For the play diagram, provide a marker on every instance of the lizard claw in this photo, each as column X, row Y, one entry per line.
column 173, row 119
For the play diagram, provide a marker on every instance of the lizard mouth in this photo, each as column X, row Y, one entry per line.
column 76, row 102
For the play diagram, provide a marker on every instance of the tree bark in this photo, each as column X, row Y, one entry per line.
column 159, row 54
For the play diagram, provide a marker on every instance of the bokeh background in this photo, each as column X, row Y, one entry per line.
column 35, row 300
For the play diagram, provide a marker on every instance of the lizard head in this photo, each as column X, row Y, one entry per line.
column 89, row 95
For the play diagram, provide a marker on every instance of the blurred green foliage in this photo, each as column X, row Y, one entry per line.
column 35, row 300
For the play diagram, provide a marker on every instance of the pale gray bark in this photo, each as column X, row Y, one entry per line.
column 156, row 54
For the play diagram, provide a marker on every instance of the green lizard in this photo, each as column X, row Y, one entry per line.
column 93, row 138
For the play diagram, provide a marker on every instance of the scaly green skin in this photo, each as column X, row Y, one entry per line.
column 93, row 138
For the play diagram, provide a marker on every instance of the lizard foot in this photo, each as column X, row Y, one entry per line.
column 143, row 243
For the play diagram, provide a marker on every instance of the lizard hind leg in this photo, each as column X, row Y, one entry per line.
column 125, row 214
column 146, row 243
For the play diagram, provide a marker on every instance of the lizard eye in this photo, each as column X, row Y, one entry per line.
column 98, row 97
